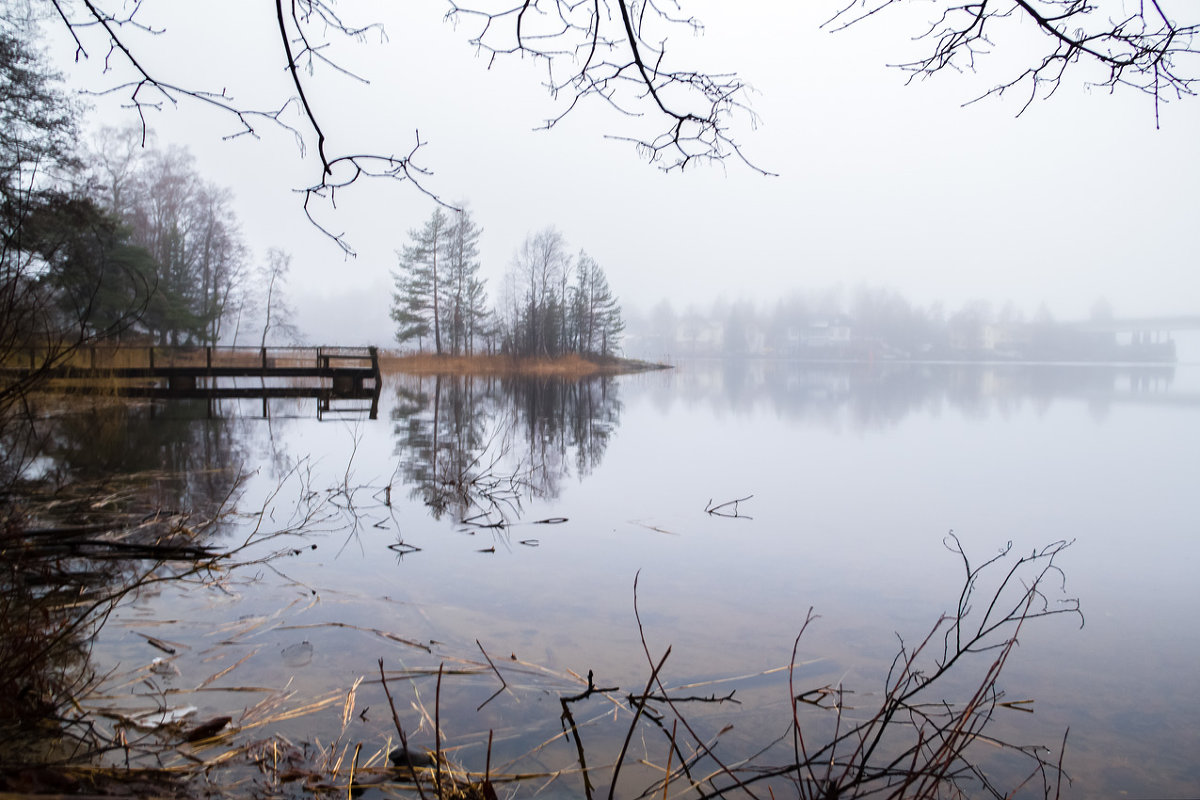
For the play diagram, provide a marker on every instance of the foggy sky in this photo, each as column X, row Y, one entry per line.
column 879, row 183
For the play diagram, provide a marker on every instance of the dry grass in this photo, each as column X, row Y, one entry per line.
column 572, row 366
column 656, row 739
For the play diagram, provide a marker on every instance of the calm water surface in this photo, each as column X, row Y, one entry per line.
column 855, row 475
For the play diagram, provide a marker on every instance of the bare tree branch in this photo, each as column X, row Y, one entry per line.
column 150, row 90
column 1143, row 49
column 605, row 51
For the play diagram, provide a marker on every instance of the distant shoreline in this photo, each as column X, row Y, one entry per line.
column 572, row 366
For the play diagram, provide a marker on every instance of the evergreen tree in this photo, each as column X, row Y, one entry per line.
column 408, row 309
column 466, row 300
column 37, row 122
column 187, row 226
column 417, row 300
column 597, row 314
column 100, row 282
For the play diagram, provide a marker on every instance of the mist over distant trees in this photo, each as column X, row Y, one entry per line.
column 186, row 224
column 205, row 286
column 276, row 312
column 551, row 304
column 872, row 323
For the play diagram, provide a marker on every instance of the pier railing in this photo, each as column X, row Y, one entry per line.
column 325, row 373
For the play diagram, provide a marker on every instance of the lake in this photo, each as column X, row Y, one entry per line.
column 496, row 528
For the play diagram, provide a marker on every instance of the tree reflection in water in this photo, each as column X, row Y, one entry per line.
column 190, row 459
column 120, row 496
column 476, row 447
column 878, row 396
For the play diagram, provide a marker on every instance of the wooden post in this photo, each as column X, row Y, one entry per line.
column 151, row 356
column 378, row 381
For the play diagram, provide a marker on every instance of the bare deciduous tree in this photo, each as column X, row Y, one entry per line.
column 277, row 312
column 189, row 228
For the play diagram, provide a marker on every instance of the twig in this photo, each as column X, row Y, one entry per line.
column 400, row 730
column 718, row 510
column 437, row 733
column 646, row 649
column 637, row 714
column 503, row 683
column 670, row 753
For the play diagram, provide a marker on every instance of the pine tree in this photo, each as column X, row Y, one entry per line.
column 595, row 310
column 417, row 300
column 466, row 301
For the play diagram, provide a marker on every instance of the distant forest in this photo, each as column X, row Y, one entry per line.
column 875, row 323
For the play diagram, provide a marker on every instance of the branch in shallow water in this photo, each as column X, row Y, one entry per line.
column 720, row 510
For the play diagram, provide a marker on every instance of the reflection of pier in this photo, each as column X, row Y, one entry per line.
column 1180, row 400
column 1142, row 338
column 1146, row 326
column 336, row 377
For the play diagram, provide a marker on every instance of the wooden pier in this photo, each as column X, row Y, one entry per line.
column 331, row 375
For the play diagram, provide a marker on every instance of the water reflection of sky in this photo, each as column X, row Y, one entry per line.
column 856, row 472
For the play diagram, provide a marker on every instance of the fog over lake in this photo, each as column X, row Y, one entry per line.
column 883, row 482
column 849, row 476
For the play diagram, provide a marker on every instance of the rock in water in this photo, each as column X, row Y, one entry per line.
column 416, row 758
column 206, row 730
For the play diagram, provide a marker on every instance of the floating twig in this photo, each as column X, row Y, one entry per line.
column 719, row 510
column 403, row 548
column 158, row 643
column 503, row 683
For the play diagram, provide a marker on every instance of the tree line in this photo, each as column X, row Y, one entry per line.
column 876, row 322
column 551, row 303
column 202, row 283
column 115, row 239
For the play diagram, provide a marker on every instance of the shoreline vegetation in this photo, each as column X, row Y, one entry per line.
column 568, row 366
column 88, row 734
